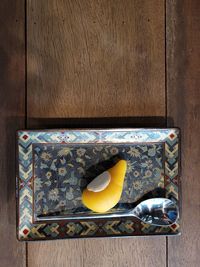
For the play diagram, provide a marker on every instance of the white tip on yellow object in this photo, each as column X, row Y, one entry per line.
column 104, row 192
column 100, row 182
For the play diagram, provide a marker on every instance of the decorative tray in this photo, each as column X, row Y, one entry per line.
column 54, row 166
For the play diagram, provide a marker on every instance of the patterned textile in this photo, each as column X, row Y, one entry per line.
column 54, row 166
column 61, row 172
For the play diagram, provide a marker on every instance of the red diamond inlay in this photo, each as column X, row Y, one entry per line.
column 174, row 226
column 25, row 137
column 25, row 231
column 172, row 135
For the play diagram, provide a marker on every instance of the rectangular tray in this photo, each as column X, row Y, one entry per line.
column 55, row 166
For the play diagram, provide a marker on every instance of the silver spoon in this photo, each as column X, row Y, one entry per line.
column 154, row 211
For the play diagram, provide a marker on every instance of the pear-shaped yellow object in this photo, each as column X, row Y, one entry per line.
column 101, row 197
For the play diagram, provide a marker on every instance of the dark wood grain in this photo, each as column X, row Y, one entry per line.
column 12, row 103
column 96, row 59
column 183, row 83
column 102, row 252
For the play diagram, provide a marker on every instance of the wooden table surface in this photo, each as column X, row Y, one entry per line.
column 101, row 63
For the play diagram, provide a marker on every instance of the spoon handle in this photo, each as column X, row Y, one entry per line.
column 92, row 216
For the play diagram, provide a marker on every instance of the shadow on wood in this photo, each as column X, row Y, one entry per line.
column 107, row 122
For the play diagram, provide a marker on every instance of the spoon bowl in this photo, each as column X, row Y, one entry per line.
column 156, row 211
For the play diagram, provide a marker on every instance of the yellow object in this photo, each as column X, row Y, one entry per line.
column 104, row 200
